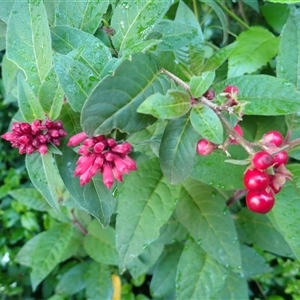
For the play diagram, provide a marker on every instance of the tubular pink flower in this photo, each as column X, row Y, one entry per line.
column 124, row 148
column 90, row 142
column 77, row 139
column 83, row 150
column 108, row 178
column 99, row 147
column 24, row 139
column 9, row 136
column 85, row 177
column 111, row 142
column 84, row 165
column 109, row 156
column 99, row 161
column 43, row 149
column 131, row 164
column 121, row 165
column 117, row 174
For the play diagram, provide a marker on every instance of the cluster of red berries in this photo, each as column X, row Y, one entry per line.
column 101, row 155
column 29, row 138
column 267, row 174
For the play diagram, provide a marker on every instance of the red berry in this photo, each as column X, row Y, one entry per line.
column 260, row 202
column 255, row 180
column 272, row 137
column 209, row 94
column 205, row 147
column 231, row 90
column 262, row 160
column 281, row 158
column 238, row 129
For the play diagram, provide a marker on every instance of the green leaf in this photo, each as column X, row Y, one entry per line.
column 267, row 95
column 98, row 281
column 174, row 34
column 66, row 39
column 200, row 84
column 142, row 210
column 71, row 282
column 29, row 105
column 94, row 197
column 29, row 41
column 255, row 47
column 207, row 123
column 100, row 238
column 218, row 58
column 258, row 230
column 31, row 197
column 125, row 94
column 213, row 170
column 285, row 1
column 43, row 173
column 199, row 276
column 2, row 35
column 289, row 49
column 75, row 78
column 164, row 272
column 82, row 14
column 51, row 95
column 202, row 210
column 172, row 105
column 178, row 149
column 5, row 10
column 133, row 20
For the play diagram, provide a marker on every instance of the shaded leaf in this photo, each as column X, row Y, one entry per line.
column 200, row 84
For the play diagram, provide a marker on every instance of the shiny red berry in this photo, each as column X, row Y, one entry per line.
column 205, row 147
column 231, row 90
column 280, row 158
column 260, row 201
column 262, row 160
column 255, row 180
column 272, row 138
column 209, row 94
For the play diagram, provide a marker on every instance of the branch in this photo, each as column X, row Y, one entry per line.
column 77, row 223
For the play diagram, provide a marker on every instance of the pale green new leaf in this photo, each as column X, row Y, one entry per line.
column 200, row 84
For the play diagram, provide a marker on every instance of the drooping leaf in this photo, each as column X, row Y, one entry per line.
column 289, row 49
column 5, row 10
column 84, row 15
column 133, row 21
column 98, row 281
column 199, row 276
column 29, row 105
column 202, row 210
column 142, row 209
column 178, row 149
column 200, row 84
column 94, row 197
column 76, row 80
column 28, row 40
column 267, row 95
column 207, row 123
column 43, row 173
column 114, row 101
column 172, row 105
column 100, row 244
column 66, row 39
column 255, row 47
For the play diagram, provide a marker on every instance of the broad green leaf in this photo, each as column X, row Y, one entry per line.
column 213, row 170
column 286, row 211
column 82, row 14
column 140, row 47
column 50, row 7
column 94, row 197
column 66, row 39
column 28, row 40
column 253, row 4
column 207, row 123
column 76, row 80
column 202, row 210
column 125, row 94
column 2, row 35
column 178, row 149
column 200, row 84
column 235, row 287
column 133, row 21
column 29, row 104
column 289, row 49
column 285, row 1
column 30, row 197
column 199, row 276
column 143, row 209
column 218, row 58
column 255, row 47
column 276, row 15
column 267, row 95
column 100, row 244
column 164, row 272
column 258, row 230
column 43, row 173
column 98, row 281
column 174, row 34
column 5, row 9
column 71, row 282
column 51, row 95
column 172, row 105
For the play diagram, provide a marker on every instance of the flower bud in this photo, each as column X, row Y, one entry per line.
column 77, row 139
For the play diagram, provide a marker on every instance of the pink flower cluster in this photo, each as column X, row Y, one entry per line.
column 104, row 155
column 29, row 138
